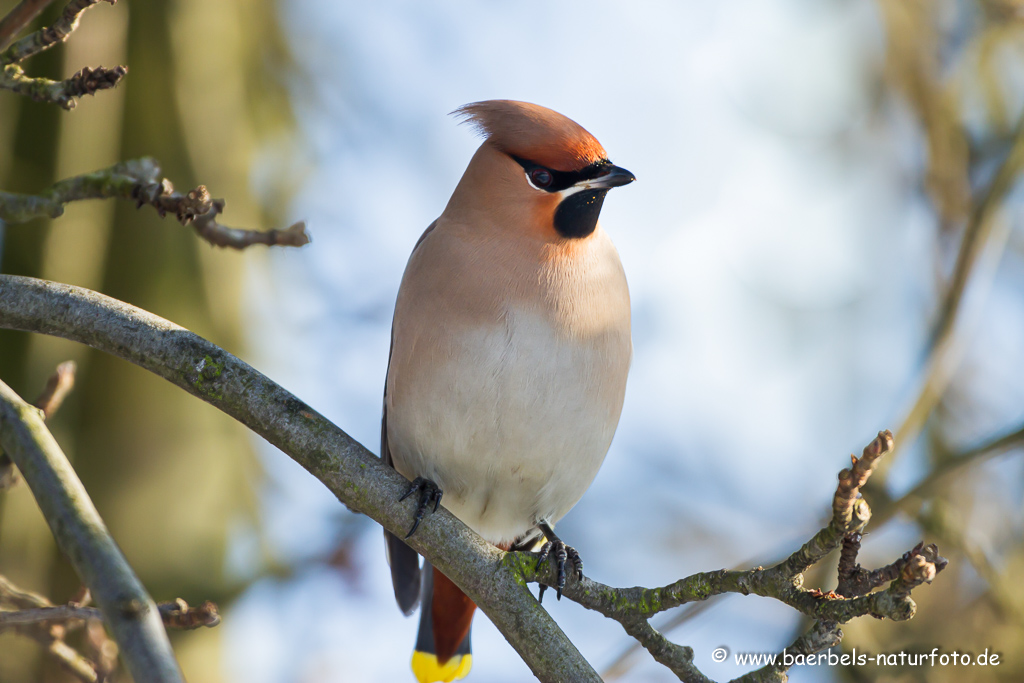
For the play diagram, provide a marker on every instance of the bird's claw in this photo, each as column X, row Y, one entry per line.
column 562, row 553
column 429, row 493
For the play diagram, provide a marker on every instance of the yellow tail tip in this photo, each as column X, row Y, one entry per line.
column 429, row 670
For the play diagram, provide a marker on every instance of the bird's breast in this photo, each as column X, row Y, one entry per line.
column 510, row 409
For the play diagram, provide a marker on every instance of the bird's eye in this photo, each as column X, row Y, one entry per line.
column 541, row 177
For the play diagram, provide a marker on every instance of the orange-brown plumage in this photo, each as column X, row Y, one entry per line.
column 533, row 132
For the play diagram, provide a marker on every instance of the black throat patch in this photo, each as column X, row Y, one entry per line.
column 576, row 215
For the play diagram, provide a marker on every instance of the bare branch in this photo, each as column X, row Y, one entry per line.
column 206, row 226
column 677, row 658
column 140, row 180
column 57, row 387
column 84, row 539
column 622, row 663
column 70, row 659
column 854, row 580
column 20, row 598
column 40, row 615
column 46, row 38
column 64, row 93
column 51, row 638
column 849, row 513
column 361, row 481
column 821, row 636
column 18, row 18
column 632, row 607
column 179, row 615
column 176, row 614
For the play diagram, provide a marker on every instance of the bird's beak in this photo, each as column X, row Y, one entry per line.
column 613, row 176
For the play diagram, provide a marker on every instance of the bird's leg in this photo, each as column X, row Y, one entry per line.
column 562, row 552
column 429, row 493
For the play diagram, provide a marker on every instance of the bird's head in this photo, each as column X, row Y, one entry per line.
column 535, row 159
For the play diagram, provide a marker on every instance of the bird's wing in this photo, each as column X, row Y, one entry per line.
column 404, row 561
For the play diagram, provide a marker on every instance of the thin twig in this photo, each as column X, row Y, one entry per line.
column 176, row 614
column 140, row 180
column 854, row 580
column 56, row 613
column 82, row 536
column 46, row 38
column 821, row 636
column 19, row 598
column 179, row 615
column 631, row 607
column 68, row 657
column 624, row 661
column 66, row 93
column 57, row 387
column 51, row 638
column 849, row 513
column 18, row 18
column 677, row 658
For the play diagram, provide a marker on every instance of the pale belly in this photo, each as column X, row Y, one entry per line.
column 513, row 424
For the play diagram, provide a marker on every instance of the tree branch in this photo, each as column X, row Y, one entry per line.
column 44, row 39
column 18, row 18
column 362, row 482
column 140, row 180
column 632, row 607
column 50, row 637
column 63, row 93
column 20, row 598
column 176, row 614
column 84, row 539
column 821, row 636
column 57, row 387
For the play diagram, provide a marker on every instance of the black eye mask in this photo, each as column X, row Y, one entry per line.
column 556, row 181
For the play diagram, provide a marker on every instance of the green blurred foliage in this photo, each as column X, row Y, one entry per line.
column 171, row 476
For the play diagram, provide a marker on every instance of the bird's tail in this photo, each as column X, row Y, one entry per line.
column 442, row 648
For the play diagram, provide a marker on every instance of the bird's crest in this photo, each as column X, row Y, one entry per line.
column 535, row 133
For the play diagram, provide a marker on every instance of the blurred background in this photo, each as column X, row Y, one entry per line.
column 808, row 175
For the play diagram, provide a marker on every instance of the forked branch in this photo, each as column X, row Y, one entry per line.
column 362, row 482
column 633, row 607
column 62, row 93
column 139, row 180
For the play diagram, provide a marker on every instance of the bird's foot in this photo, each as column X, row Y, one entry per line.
column 429, row 494
column 562, row 553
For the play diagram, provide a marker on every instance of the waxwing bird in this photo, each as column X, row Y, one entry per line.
column 510, row 348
